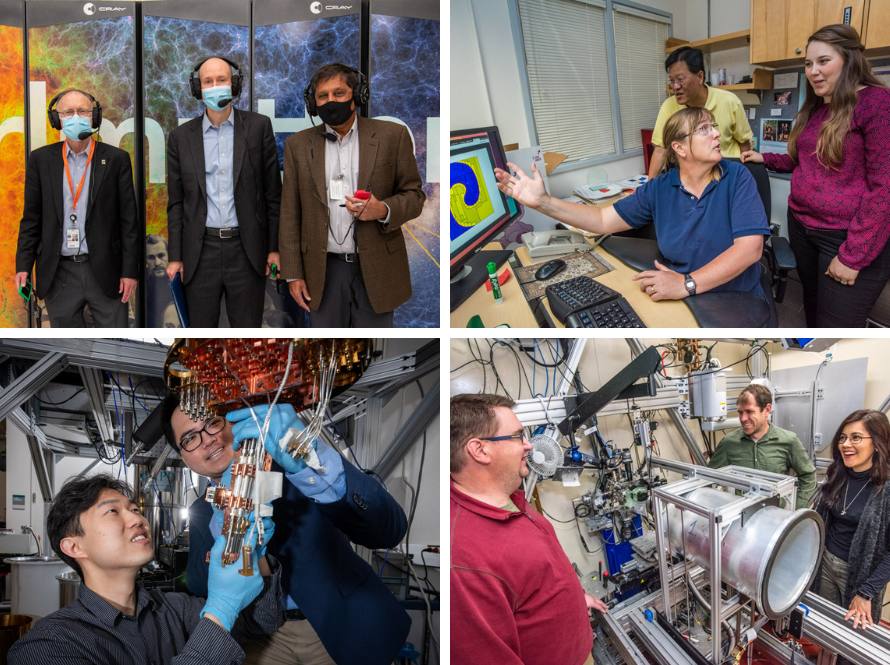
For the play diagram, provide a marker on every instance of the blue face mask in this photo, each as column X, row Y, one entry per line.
column 213, row 96
column 74, row 126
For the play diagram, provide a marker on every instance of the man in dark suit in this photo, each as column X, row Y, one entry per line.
column 224, row 191
column 79, row 223
column 343, row 255
column 338, row 609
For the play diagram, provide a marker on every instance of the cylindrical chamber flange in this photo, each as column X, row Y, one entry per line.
column 772, row 558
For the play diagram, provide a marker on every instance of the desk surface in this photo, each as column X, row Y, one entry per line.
column 517, row 313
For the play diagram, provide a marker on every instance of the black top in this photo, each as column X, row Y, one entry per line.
column 167, row 628
column 843, row 527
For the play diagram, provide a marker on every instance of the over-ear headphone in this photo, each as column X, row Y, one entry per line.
column 195, row 79
column 56, row 123
column 361, row 93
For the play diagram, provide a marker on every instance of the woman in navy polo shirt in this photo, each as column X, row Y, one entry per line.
column 709, row 219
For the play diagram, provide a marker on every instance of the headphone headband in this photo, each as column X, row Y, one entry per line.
column 361, row 93
column 56, row 122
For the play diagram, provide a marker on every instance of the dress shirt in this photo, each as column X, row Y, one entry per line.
column 77, row 162
column 219, row 163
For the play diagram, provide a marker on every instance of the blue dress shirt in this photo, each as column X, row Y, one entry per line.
column 219, row 163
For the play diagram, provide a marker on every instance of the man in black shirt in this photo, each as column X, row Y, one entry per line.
column 97, row 529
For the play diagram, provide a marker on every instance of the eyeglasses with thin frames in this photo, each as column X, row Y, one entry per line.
column 83, row 113
column 856, row 438
column 704, row 130
column 519, row 436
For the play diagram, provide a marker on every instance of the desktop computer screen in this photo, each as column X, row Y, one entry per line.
column 478, row 209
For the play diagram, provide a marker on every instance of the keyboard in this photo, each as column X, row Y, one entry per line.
column 612, row 314
column 581, row 302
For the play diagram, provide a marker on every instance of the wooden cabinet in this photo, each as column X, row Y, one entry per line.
column 877, row 27
column 780, row 28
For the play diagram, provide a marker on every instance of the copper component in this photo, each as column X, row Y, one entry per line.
column 216, row 376
column 246, row 567
column 219, row 375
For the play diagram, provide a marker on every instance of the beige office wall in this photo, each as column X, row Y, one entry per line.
column 877, row 384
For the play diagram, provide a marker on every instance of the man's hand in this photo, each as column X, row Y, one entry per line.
column 21, row 278
column 662, row 283
column 300, row 293
column 366, row 210
column 228, row 591
column 529, row 191
column 274, row 258
column 282, row 419
column 860, row 612
column 841, row 273
column 595, row 604
column 174, row 267
column 126, row 287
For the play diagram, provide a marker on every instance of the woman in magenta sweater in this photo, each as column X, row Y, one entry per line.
column 839, row 157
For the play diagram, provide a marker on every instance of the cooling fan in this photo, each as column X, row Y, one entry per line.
column 545, row 456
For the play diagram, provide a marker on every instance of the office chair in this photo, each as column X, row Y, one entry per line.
column 648, row 148
column 778, row 259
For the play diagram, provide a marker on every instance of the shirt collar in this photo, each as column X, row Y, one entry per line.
column 104, row 611
column 352, row 133
column 770, row 434
column 71, row 152
column 206, row 124
column 674, row 177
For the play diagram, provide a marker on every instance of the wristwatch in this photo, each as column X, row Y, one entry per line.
column 689, row 283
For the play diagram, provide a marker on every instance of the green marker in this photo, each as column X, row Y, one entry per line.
column 495, row 285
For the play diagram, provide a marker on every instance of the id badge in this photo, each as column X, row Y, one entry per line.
column 336, row 189
column 72, row 238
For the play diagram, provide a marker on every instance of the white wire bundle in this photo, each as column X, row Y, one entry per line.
column 261, row 449
column 327, row 369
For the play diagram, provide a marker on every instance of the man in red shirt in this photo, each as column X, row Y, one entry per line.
column 515, row 598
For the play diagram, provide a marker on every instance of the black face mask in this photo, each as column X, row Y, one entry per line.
column 335, row 113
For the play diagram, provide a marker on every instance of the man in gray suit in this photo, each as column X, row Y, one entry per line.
column 224, row 189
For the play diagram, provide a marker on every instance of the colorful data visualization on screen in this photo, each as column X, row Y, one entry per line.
column 475, row 199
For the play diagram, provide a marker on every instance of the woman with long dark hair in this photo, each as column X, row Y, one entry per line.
column 839, row 158
column 854, row 502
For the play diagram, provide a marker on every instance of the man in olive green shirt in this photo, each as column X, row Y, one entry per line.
column 760, row 445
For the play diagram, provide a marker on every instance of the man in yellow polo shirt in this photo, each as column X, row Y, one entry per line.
column 686, row 75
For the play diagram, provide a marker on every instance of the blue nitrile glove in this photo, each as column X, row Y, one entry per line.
column 228, row 591
column 283, row 418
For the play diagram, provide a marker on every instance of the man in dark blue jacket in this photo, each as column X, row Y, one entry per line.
column 338, row 610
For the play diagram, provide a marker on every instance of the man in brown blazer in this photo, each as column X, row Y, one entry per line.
column 342, row 251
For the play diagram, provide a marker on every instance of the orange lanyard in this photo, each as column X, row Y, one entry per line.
column 75, row 196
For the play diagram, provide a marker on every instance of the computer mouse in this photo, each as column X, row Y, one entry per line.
column 550, row 269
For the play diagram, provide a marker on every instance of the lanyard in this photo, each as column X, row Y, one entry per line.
column 75, row 196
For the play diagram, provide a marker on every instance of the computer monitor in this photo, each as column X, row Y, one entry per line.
column 478, row 209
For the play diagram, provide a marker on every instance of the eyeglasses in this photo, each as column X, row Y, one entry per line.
column 681, row 81
column 856, row 438
column 85, row 113
column 192, row 440
column 520, row 436
column 704, row 130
